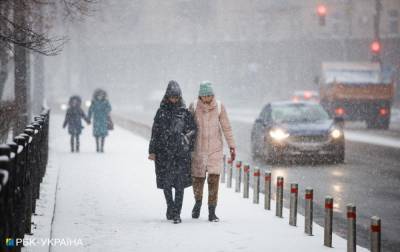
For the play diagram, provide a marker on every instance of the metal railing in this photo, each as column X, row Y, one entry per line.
column 22, row 168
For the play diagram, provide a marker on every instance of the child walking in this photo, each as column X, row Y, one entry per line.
column 73, row 119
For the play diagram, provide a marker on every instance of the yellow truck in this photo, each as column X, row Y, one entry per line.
column 357, row 91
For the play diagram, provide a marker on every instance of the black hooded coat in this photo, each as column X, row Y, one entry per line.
column 74, row 116
column 172, row 141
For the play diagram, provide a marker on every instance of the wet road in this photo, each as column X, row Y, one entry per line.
column 370, row 179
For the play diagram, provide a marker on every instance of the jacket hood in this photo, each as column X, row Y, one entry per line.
column 75, row 98
column 173, row 89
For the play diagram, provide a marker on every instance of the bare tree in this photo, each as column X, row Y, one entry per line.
column 22, row 31
column 34, row 40
column 5, row 55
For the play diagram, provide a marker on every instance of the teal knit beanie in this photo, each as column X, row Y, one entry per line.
column 206, row 89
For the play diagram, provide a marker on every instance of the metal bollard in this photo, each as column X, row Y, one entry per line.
column 375, row 234
column 351, row 228
column 256, row 186
column 229, row 173
column 279, row 196
column 308, row 211
column 246, row 181
column 223, row 175
column 294, row 190
column 238, row 176
column 267, row 190
column 328, row 221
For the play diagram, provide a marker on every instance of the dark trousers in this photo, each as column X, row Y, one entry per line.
column 75, row 142
column 175, row 204
column 100, row 144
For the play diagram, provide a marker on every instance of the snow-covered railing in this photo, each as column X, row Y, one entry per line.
column 227, row 174
column 25, row 161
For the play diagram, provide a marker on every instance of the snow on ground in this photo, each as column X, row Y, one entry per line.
column 45, row 205
column 111, row 203
column 365, row 137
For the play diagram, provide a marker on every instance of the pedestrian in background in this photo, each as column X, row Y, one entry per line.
column 100, row 109
column 172, row 142
column 212, row 121
column 73, row 119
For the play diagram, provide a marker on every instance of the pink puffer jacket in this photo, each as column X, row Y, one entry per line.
column 208, row 152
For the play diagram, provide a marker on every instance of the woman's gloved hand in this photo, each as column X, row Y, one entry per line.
column 152, row 156
column 233, row 153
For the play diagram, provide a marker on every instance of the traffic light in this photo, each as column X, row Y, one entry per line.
column 321, row 12
column 376, row 50
column 376, row 47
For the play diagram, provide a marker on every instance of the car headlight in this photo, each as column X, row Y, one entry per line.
column 336, row 133
column 278, row 134
column 64, row 107
column 88, row 103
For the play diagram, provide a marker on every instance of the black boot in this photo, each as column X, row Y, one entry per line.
column 211, row 214
column 170, row 204
column 97, row 144
column 178, row 205
column 177, row 219
column 77, row 143
column 177, row 216
column 102, row 144
column 170, row 213
column 72, row 143
column 196, row 209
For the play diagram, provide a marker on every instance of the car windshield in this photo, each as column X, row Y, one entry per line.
column 298, row 113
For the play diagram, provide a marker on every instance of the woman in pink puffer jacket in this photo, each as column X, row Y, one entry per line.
column 212, row 122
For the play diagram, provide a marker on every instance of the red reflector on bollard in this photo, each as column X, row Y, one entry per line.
column 309, row 196
column 257, row 174
column 375, row 228
column 279, row 183
column 329, row 205
column 293, row 190
column 267, row 178
column 351, row 215
column 246, row 169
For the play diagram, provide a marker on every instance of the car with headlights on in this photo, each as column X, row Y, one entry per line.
column 297, row 129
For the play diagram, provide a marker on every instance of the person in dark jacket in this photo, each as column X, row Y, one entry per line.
column 100, row 109
column 171, row 144
column 73, row 119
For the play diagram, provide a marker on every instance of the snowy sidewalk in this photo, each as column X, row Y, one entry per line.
column 111, row 203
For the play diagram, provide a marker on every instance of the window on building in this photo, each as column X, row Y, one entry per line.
column 394, row 21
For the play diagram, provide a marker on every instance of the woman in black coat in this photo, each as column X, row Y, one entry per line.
column 171, row 144
column 73, row 119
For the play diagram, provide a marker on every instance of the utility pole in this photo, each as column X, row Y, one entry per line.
column 21, row 58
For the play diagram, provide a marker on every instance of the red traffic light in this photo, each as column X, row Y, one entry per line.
column 376, row 47
column 321, row 10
